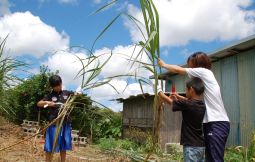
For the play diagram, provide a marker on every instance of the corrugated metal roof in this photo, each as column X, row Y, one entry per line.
column 134, row 96
column 142, row 96
column 232, row 49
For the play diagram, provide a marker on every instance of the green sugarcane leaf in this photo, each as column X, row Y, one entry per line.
column 104, row 7
column 104, row 30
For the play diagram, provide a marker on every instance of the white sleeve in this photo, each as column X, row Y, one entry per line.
column 195, row 72
column 159, row 89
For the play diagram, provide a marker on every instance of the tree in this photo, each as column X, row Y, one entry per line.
column 23, row 98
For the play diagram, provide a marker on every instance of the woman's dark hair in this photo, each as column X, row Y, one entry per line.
column 197, row 84
column 200, row 59
column 55, row 80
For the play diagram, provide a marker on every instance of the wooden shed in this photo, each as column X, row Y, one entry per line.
column 138, row 117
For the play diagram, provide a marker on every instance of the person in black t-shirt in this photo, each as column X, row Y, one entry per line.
column 52, row 102
column 193, row 110
column 56, row 98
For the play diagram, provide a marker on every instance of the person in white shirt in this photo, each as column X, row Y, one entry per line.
column 216, row 125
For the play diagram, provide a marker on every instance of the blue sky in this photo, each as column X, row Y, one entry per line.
column 36, row 28
column 75, row 19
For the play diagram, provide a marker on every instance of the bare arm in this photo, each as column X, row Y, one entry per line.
column 165, row 98
column 43, row 103
column 172, row 68
column 179, row 97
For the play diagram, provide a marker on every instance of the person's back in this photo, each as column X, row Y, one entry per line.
column 193, row 111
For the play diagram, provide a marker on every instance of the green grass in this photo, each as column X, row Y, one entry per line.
column 111, row 143
column 134, row 151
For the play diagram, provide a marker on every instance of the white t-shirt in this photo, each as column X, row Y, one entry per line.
column 215, row 110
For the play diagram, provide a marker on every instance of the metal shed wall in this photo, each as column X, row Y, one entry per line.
column 246, row 76
column 216, row 68
column 230, row 96
column 179, row 80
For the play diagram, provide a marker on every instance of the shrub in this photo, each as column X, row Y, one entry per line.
column 240, row 153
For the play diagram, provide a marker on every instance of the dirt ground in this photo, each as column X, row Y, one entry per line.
column 32, row 150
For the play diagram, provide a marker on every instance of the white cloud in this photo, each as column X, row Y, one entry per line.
column 28, row 34
column 106, row 92
column 182, row 21
column 72, row 2
column 119, row 63
column 165, row 52
column 68, row 66
column 97, row 1
column 116, row 107
column 68, row 1
column 4, row 7
column 41, row 1
column 33, row 71
column 186, row 53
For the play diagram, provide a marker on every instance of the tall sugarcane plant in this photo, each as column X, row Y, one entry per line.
column 8, row 66
column 150, row 48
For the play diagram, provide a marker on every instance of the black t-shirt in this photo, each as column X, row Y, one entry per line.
column 60, row 97
column 192, row 117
